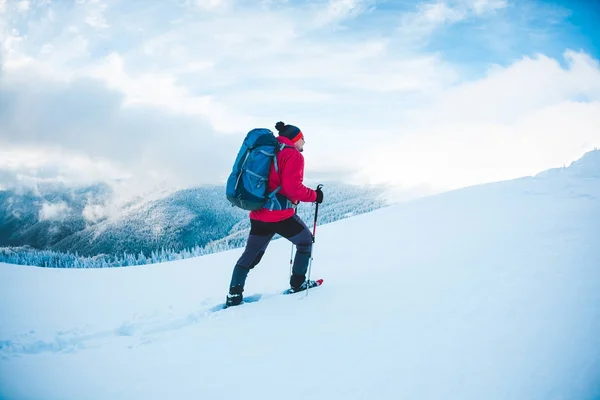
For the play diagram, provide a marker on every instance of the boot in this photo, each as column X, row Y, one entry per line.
column 297, row 280
column 234, row 297
column 298, row 283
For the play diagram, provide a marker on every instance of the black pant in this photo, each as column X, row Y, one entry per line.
column 261, row 233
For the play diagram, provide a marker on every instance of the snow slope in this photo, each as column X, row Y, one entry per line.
column 489, row 292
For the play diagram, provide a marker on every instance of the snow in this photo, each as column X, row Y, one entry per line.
column 488, row 292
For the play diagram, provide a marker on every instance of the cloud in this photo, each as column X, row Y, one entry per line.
column 339, row 10
column 82, row 134
column 94, row 213
column 108, row 91
column 483, row 6
column 508, row 93
column 211, row 5
column 54, row 211
column 23, row 5
column 518, row 120
column 419, row 25
column 29, row 165
column 161, row 90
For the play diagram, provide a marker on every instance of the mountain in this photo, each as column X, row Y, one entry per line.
column 74, row 220
column 184, row 219
column 40, row 218
column 487, row 292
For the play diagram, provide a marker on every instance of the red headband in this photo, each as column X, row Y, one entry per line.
column 299, row 136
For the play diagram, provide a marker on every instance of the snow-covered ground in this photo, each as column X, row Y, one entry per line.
column 489, row 292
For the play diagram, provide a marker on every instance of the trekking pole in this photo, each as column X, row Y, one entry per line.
column 291, row 260
column 313, row 240
column 292, row 251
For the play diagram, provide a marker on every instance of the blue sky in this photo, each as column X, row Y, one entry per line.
column 521, row 28
column 425, row 95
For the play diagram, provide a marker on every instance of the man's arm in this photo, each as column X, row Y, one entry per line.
column 292, row 176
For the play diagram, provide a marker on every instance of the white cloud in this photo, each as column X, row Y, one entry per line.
column 508, row 93
column 94, row 213
column 339, row 10
column 32, row 164
column 23, row 6
column 29, row 169
column 49, row 61
column 13, row 57
column 211, row 5
column 516, row 121
column 161, row 90
column 417, row 26
column 95, row 15
column 167, row 93
column 427, row 18
column 482, row 6
column 54, row 211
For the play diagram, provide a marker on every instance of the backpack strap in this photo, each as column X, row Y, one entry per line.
column 281, row 200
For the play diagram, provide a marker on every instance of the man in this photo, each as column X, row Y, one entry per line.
column 282, row 220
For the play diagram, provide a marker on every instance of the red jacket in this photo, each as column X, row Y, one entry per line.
column 291, row 171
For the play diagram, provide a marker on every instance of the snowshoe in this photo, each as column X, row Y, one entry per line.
column 305, row 285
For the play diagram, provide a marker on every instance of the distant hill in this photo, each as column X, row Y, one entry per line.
column 64, row 219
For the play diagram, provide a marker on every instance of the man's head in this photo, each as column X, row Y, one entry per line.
column 291, row 132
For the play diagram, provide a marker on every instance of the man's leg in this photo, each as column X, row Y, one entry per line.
column 296, row 231
column 258, row 240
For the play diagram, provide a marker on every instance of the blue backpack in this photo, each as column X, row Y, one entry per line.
column 247, row 184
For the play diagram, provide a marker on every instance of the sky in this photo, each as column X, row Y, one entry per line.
column 430, row 95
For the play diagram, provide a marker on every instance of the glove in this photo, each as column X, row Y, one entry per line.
column 319, row 195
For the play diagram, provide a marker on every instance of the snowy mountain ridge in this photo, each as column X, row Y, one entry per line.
column 588, row 166
column 56, row 219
